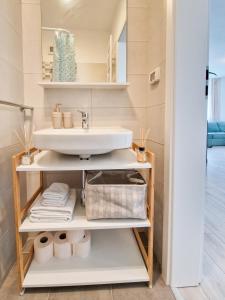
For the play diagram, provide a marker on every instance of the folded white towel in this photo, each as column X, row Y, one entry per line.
column 53, row 202
column 40, row 213
column 56, row 191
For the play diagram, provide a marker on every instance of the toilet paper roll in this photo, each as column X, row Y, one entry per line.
column 43, row 247
column 75, row 236
column 62, row 247
column 83, row 247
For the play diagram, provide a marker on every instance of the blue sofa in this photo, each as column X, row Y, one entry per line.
column 216, row 134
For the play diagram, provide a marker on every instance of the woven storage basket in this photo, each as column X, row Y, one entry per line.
column 115, row 194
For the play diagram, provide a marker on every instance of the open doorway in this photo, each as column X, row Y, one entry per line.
column 213, row 282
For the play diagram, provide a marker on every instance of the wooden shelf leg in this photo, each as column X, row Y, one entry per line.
column 19, row 241
column 22, row 291
column 151, row 218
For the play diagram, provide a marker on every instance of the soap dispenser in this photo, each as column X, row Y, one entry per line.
column 57, row 118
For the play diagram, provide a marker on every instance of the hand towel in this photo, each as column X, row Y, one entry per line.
column 40, row 213
column 57, row 192
column 53, row 202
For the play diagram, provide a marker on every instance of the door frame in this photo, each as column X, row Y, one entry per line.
column 183, row 230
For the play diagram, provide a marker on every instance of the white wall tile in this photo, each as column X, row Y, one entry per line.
column 7, row 252
column 10, row 121
column 137, row 58
column 11, row 11
column 6, row 164
column 31, row 2
column 138, row 3
column 138, row 24
column 6, row 211
column 155, row 122
column 114, row 98
column 33, row 93
column 131, row 118
column 157, row 33
column 11, row 88
column 138, row 90
column 67, row 97
column 10, row 45
column 31, row 22
column 32, row 62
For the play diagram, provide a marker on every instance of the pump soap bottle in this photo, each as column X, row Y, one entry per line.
column 57, row 117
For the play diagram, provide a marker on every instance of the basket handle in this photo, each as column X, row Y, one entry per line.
column 135, row 180
column 99, row 174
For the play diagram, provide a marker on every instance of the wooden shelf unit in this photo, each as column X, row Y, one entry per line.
column 33, row 275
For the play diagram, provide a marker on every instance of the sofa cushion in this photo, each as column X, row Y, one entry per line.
column 219, row 135
column 210, row 135
column 213, row 127
column 221, row 126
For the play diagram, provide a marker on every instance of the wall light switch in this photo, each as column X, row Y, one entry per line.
column 154, row 76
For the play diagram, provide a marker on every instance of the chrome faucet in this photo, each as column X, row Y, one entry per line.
column 85, row 119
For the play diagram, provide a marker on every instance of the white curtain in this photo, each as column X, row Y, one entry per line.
column 214, row 100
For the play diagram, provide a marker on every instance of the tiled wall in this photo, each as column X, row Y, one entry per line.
column 156, row 109
column 106, row 108
column 11, row 89
column 141, row 105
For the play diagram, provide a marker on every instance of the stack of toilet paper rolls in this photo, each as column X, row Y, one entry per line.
column 62, row 245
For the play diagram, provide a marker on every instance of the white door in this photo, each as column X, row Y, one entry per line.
column 186, row 107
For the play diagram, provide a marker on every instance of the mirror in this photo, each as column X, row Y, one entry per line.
column 84, row 40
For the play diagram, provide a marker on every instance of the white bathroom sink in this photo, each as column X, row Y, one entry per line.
column 83, row 142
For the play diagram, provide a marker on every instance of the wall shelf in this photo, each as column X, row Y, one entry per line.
column 83, row 85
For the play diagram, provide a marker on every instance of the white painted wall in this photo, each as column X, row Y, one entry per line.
column 187, row 57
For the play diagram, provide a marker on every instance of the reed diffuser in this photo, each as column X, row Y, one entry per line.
column 141, row 150
column 24, row 136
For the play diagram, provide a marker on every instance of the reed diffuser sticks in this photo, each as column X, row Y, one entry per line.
column 141, row 152
column 24, row 136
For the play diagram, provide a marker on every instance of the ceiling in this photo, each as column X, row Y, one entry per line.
column 217, row 37
column 79, row 14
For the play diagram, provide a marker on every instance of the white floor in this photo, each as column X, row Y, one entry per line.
column 213, row 283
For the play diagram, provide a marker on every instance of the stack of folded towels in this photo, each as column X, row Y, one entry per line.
column 56, row 204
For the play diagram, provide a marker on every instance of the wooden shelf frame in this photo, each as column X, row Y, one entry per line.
column 24, row 257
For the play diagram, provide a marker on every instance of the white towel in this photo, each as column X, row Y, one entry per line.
column 40, row 213
column 53, row 202
column 57, row 192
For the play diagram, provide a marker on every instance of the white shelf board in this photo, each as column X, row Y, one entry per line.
column 83, row 85
column 114, row 258
column 116, row 160
column 80, row 221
